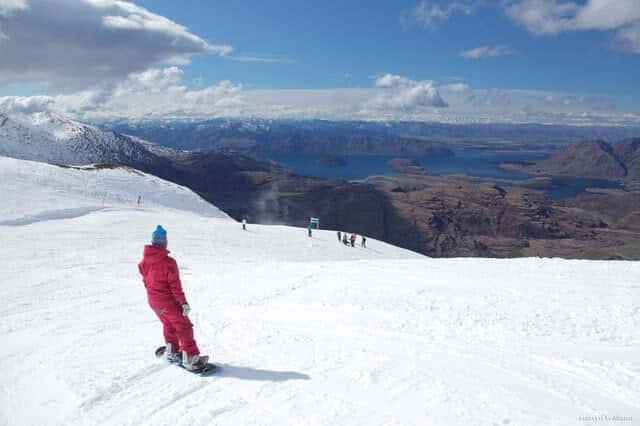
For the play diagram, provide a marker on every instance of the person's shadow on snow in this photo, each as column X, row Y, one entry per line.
column 248, row 373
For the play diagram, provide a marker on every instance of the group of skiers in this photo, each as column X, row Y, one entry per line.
column 351, row 240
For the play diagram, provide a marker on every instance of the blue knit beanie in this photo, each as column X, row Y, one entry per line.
column 159, row 237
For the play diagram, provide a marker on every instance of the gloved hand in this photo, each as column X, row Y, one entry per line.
column 186, row 309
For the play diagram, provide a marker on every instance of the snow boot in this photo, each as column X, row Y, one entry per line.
column 194, row 362
column 172, row 356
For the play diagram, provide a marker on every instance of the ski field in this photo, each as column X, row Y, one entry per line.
column 306, row 330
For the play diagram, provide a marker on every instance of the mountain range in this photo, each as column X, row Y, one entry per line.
column 229, row 132
column 440, row 216
column 273, row 138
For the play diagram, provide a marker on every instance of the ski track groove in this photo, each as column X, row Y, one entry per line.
column 181, row 395
column 138, row 395
column 113, row 390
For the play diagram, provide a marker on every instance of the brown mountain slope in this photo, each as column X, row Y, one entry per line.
column 596, row 159
column 628, row 151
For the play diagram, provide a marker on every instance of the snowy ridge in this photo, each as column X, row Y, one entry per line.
column 52, row 138
column 39, row 191
column 306, row 330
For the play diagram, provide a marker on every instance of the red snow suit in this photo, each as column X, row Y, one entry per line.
column 164, row 292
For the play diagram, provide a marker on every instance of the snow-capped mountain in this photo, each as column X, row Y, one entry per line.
column 305, row 330
column 52, row 138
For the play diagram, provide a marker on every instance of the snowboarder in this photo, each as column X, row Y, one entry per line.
column 309, row 230
column 164, row 292
column 353, row 240
column 244, row 224
column 364, row 241
column 339, row 236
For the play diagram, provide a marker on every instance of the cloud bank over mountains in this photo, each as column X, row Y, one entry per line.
column 162, row 94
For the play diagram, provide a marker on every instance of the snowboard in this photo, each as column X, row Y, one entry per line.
column 205, row 371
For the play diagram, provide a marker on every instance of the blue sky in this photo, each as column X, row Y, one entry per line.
column 344, row 43
column 463, row 60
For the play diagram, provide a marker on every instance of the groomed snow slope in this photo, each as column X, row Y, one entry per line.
column 33, row 191
column 307, row 331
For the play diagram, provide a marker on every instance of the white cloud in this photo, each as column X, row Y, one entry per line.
column 266, row 59
column 428, row 13
column 71, row 45
column 456, row 87
column 608, row 14
column 628, row 38
column 153, row 80
column 548, row 17
column 26, row 104
column 402, row 93
column 486, row 52
column 393, row 81
column 159, row 93
column 154, row 93
column 543, row 16
column 8, row 7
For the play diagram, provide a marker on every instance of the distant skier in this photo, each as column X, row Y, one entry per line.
column 309, row 230
column 244, row 224
column 339, row 236
column 345, row 239
column 364, row 241
column 353, row 240
column 164, row 292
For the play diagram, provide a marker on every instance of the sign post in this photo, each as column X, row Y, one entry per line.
column 315, row 221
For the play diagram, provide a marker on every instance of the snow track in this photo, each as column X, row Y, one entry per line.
column 50, row 215
column 306, row 330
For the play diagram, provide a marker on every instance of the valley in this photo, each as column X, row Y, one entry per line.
column 470, row 199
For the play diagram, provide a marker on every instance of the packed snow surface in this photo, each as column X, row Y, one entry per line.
column 306, row 330
column 33, row 191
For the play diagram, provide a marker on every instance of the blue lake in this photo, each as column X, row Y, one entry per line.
column 470, row 162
